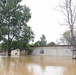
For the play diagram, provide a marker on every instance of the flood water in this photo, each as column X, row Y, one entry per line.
column 37, row 65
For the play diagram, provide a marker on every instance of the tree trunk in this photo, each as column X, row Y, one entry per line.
column 70, row 13
column 74, row 54
column 71, row 21
column 9, row 52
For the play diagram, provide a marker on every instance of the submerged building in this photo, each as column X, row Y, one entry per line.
column 57, row 50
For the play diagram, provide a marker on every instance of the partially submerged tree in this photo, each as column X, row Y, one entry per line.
column 13, row 23
column 68, row 8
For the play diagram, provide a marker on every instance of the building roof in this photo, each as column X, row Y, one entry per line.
column 54, row 46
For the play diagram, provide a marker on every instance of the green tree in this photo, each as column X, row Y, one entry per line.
column 51, row 44
column 68, row 38
column 28, row 49
column 38, row 43
column 42, row 41
column 13, row 22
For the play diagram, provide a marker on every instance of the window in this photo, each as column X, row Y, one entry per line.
column 41, row 51
column 15, row 53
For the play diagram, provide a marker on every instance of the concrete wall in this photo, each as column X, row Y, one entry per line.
column 15, row 52
column 53, row 50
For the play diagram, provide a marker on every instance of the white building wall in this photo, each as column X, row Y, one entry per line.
column 15, row 52
column 55, row 51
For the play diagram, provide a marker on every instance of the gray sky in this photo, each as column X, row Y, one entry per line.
column 45, row 19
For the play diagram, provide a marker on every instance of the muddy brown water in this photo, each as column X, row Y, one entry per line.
column 37, row 65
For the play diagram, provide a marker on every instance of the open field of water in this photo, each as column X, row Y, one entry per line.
column 37, row 65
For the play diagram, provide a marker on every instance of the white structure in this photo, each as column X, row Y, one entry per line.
column 15, row 52
column 59, row 50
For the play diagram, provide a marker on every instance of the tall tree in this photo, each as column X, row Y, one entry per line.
column 13, row 21
column 68, row 8
column 42, row 41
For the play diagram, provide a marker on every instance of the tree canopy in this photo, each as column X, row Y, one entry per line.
column 13, row 23
column 51, row 44
column 68, row 38
column 42, row 41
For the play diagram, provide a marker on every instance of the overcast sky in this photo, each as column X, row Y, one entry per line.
column 45, row 19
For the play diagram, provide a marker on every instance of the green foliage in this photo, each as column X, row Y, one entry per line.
column 67, row 36
column 5, row 46
column 0, row 47
column 13, row 24
column 38, row 43
column 42, row 41
column 51, row 44
column 28, row 49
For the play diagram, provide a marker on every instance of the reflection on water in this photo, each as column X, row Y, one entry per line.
column 37, row 65
column 37, row 70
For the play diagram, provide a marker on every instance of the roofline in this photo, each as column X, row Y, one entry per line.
column 54, row 46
